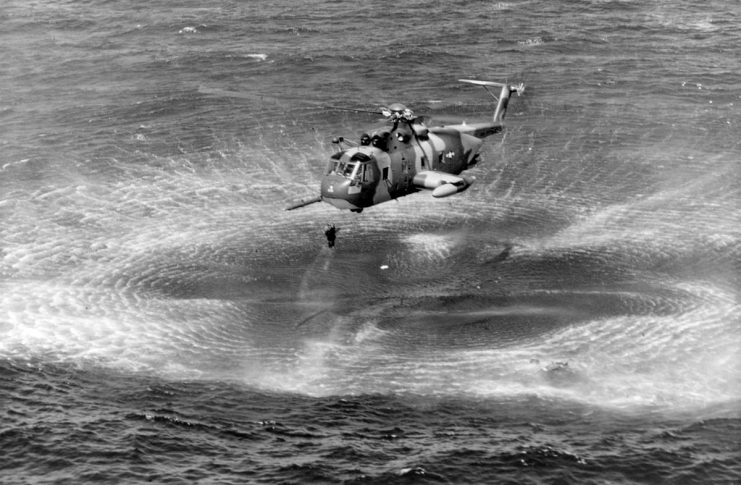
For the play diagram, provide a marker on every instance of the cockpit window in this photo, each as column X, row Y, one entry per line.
column 366, row 175
column 356, row 168
column 333, row 162
column 344, row 168
column 348, row 168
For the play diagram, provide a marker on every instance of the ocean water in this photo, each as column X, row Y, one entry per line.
column 574, row 317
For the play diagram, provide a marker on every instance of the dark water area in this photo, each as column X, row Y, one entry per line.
column 573, row 317
column 83, row 426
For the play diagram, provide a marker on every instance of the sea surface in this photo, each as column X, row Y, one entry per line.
column 573, row 317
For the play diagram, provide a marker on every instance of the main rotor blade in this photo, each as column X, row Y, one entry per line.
column 444, row 120
column 356, row 110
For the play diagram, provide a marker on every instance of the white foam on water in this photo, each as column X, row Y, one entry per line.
column 93, row 272
column 682, row 360
column 105, row 327
column 432, row 247
column 686, row 358
column 689, row 358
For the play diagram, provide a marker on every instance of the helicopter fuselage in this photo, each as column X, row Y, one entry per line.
column 406, row 156
column 398, row 162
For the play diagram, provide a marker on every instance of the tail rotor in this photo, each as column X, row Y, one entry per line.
column 504, row 94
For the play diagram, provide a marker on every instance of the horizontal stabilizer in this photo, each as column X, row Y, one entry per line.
column 518, row 88
column 503, row 98
column 481, row 83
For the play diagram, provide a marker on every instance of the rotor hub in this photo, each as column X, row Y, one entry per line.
column 398, row 111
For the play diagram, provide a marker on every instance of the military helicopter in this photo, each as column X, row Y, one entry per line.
column 406, row 156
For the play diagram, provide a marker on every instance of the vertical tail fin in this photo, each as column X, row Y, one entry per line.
column 503, row 98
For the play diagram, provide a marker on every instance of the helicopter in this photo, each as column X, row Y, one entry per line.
column 405, row 156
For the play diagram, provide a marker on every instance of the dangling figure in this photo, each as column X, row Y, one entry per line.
column 331, row 233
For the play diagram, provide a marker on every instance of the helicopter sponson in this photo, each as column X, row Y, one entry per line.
column 406, row 156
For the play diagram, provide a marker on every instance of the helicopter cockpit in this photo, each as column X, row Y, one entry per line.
column 354, row 167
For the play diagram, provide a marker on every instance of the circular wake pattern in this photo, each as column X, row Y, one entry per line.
column 599, row 244
column 190, row 274
column 610, row 338
column 573, row 316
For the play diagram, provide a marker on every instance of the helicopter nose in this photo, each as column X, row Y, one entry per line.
column 339, row 192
